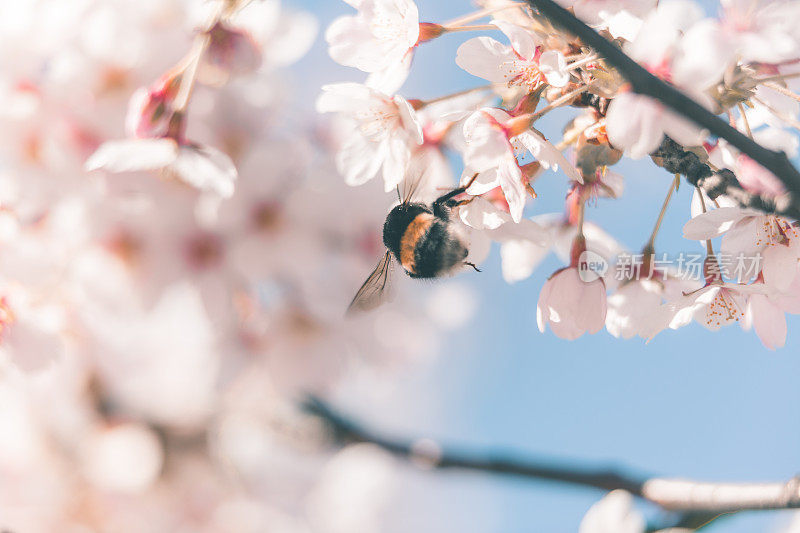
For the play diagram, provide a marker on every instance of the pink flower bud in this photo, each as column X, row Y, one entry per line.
column 150, row 108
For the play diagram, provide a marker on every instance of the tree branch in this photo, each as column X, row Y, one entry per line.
column 697, row 499
column 645, row 83
column 676, row 160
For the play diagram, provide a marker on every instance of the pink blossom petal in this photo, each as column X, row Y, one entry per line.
column 554, row 67
column 768, row 321
column 483, row 57
column 779, row 266
column 634, row 124
column 713, row 223
column 523, row 41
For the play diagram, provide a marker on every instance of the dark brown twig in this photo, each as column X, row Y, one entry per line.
column 699, row 501
column 647, row 84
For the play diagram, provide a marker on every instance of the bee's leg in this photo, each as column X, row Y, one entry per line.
column 446, row 201
column 472, row 265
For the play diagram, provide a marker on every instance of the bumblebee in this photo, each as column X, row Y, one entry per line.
column 422, row 238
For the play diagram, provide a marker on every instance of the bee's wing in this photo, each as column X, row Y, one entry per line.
column 415, row 177
column 376, row 290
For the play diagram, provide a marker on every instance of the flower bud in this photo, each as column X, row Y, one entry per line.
column 231, row 52
column 150, row 108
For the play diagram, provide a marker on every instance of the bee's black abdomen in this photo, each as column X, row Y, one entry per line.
column 437, row 252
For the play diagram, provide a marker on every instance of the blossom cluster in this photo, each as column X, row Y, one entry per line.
column 741, row 65
column 165, row 290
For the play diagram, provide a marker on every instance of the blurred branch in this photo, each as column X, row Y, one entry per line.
column 701, row 502
column 647, row 84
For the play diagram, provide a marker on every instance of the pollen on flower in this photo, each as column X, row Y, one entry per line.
column 374, row 123
column 528, row 74
column 722, row 310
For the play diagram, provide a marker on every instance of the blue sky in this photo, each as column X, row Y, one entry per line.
column 713, row 406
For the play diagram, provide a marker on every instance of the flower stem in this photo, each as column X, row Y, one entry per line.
column 744, row 119
column 783, row 90
column 475, row 27
column 460, row 21
column 465, row 92
column 672, row 186
column 789, row 120
column 558, row 102
column 195, row 56
column 779, row 77
column 581, row 62
column 709, row 247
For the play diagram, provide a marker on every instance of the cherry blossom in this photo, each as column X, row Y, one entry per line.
column 762, row 31
column 749, row 233
column 490, row 151
column 715, row 305
column 635, row 308
column 379, row 37
column 621, row 17
column 166, row 298
column 380, row 132
column 202, row 167
column 524, row 63
column 570, row 305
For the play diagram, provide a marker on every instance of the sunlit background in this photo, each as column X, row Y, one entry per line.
column 460, row 361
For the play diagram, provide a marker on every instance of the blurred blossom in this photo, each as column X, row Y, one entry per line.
column 355, row 487
column 124, row 458
column 179, row 241
column 452, row 306
column 613, row 514
column 161, row 314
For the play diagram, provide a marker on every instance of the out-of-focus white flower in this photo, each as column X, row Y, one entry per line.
column 230, row 52
column 570, row 305
column 666, row 45
column 175, row 377
column 763, row 31
column 452, row 305
column 284, row 36
column 125, row 458
column 751, row 175
column 382, row 131
column 378, row 37
column 524, row 63
column 203, row 167
column 613, row 514
column 32, row 336
column 354, row 488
